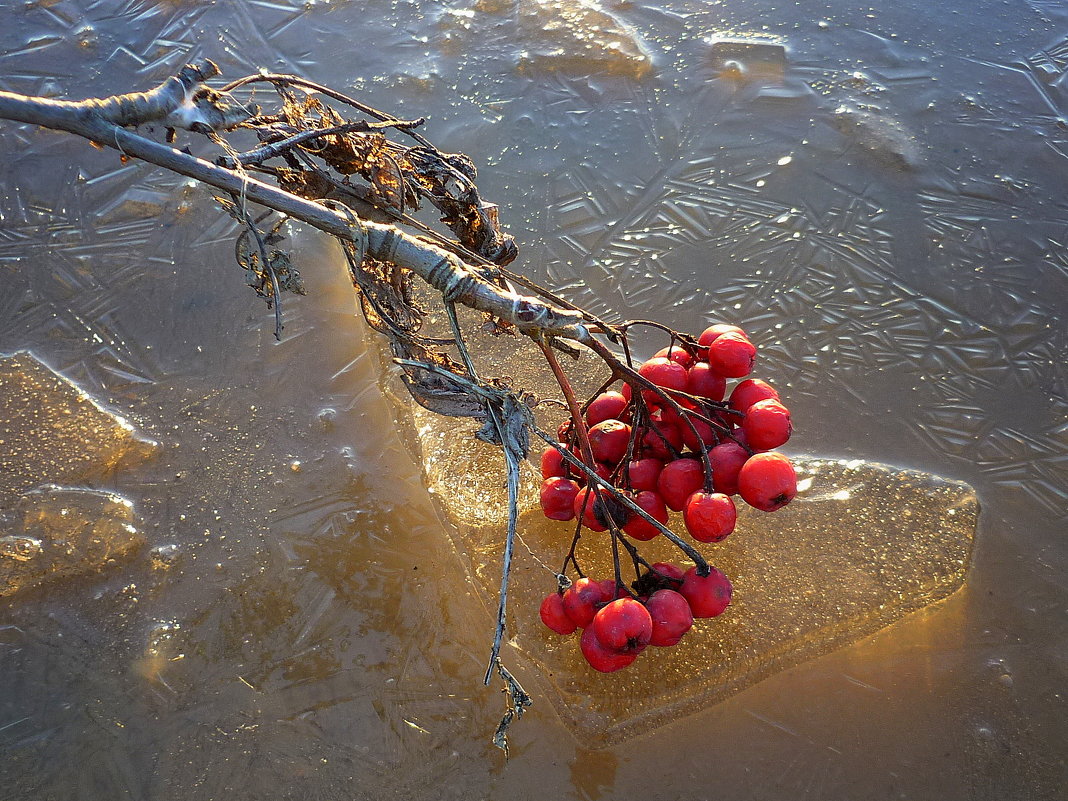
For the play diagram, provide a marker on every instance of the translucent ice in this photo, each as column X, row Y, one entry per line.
column 51, row 431
column 64, row 532
column 862, row 545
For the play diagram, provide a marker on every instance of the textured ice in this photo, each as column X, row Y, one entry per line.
column 50, row 431
column 63, row 532
column 863, row 545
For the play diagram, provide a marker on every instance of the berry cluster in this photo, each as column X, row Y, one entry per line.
column 668, row 441
column 617, row 627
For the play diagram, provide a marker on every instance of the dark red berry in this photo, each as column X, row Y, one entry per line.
column 749, row 392
column 582, row 600
column 671, row 615
column 606, row 406
column 641, row 529
column 664, row 373
column 767, row 481
column 552, row 463
column 727, row 459
column 713, row 332
column 624, row 625
column 643, row 473
column 731, row 355
column 601, row 658
column 676, row 354
column 678, row 480
column 659, row 439
column 702, row 380
column 554, row 616
column 706, row 435
column 767, row 425
column 707, row 595
column 558, row 498
column 608, row 440
column 709, row 516
column 669, row 570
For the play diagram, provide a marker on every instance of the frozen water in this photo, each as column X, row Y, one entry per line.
column 64, row 532
column 862, row 545
column 52, row 431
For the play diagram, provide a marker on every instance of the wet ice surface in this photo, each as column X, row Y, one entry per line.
column 286, row 646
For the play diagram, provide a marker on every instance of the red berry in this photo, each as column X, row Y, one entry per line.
column 582, row 599
column 558, row 498
column 749, row 392
column 611, row 590
column 679, row 480
column 597, row 510
column 660, row 439
column 731, row 355
column 601, row 658
column 554, row 616
column 727, row 459
column 606, row 406
column 623, row 625
column 643, row 473
column 552, row 463
column 767, row 425
column 669, row 570
column 707, row 595
column 664, row 373
column 676, row 354
column 706, row 435
column 641, row 529
column 608, row 440
column 702, row 380
column 767, row 481
column 671, row 615
column 713, row 332
column 709, row 516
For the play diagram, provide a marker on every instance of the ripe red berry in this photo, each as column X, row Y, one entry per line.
column 709, row 516
column 641, row 529
column 669, row 570
column 731, row 355
column 606, row 406
column 706, row 435
column 713, row 332
column 676, row 354
column 767, row 481
column 552, row 463
column 643, row 473
column 558, row 498
column 659, row 439
column 608, row 440
column 601, row 658
column 611, row 590
column 767, row 425
column 664, row 373
column 707, row 595
column 554, row 616
column 671, row 615
column 624, row 625
column 582, row 600
column 727, row 459
column 749, row 392
column 599, row 509
column 678, row 480
column 702, row 380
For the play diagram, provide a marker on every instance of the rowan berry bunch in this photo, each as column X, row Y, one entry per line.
column 666, row 441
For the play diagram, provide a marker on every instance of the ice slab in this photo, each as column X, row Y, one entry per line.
column 758, row 60
column 61, row 532
column 582, row 35
column 52, row 431
column 863, row 545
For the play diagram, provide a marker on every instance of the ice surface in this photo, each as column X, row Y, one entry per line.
column 863, row 545
column 64, row 532
column 51, row 431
